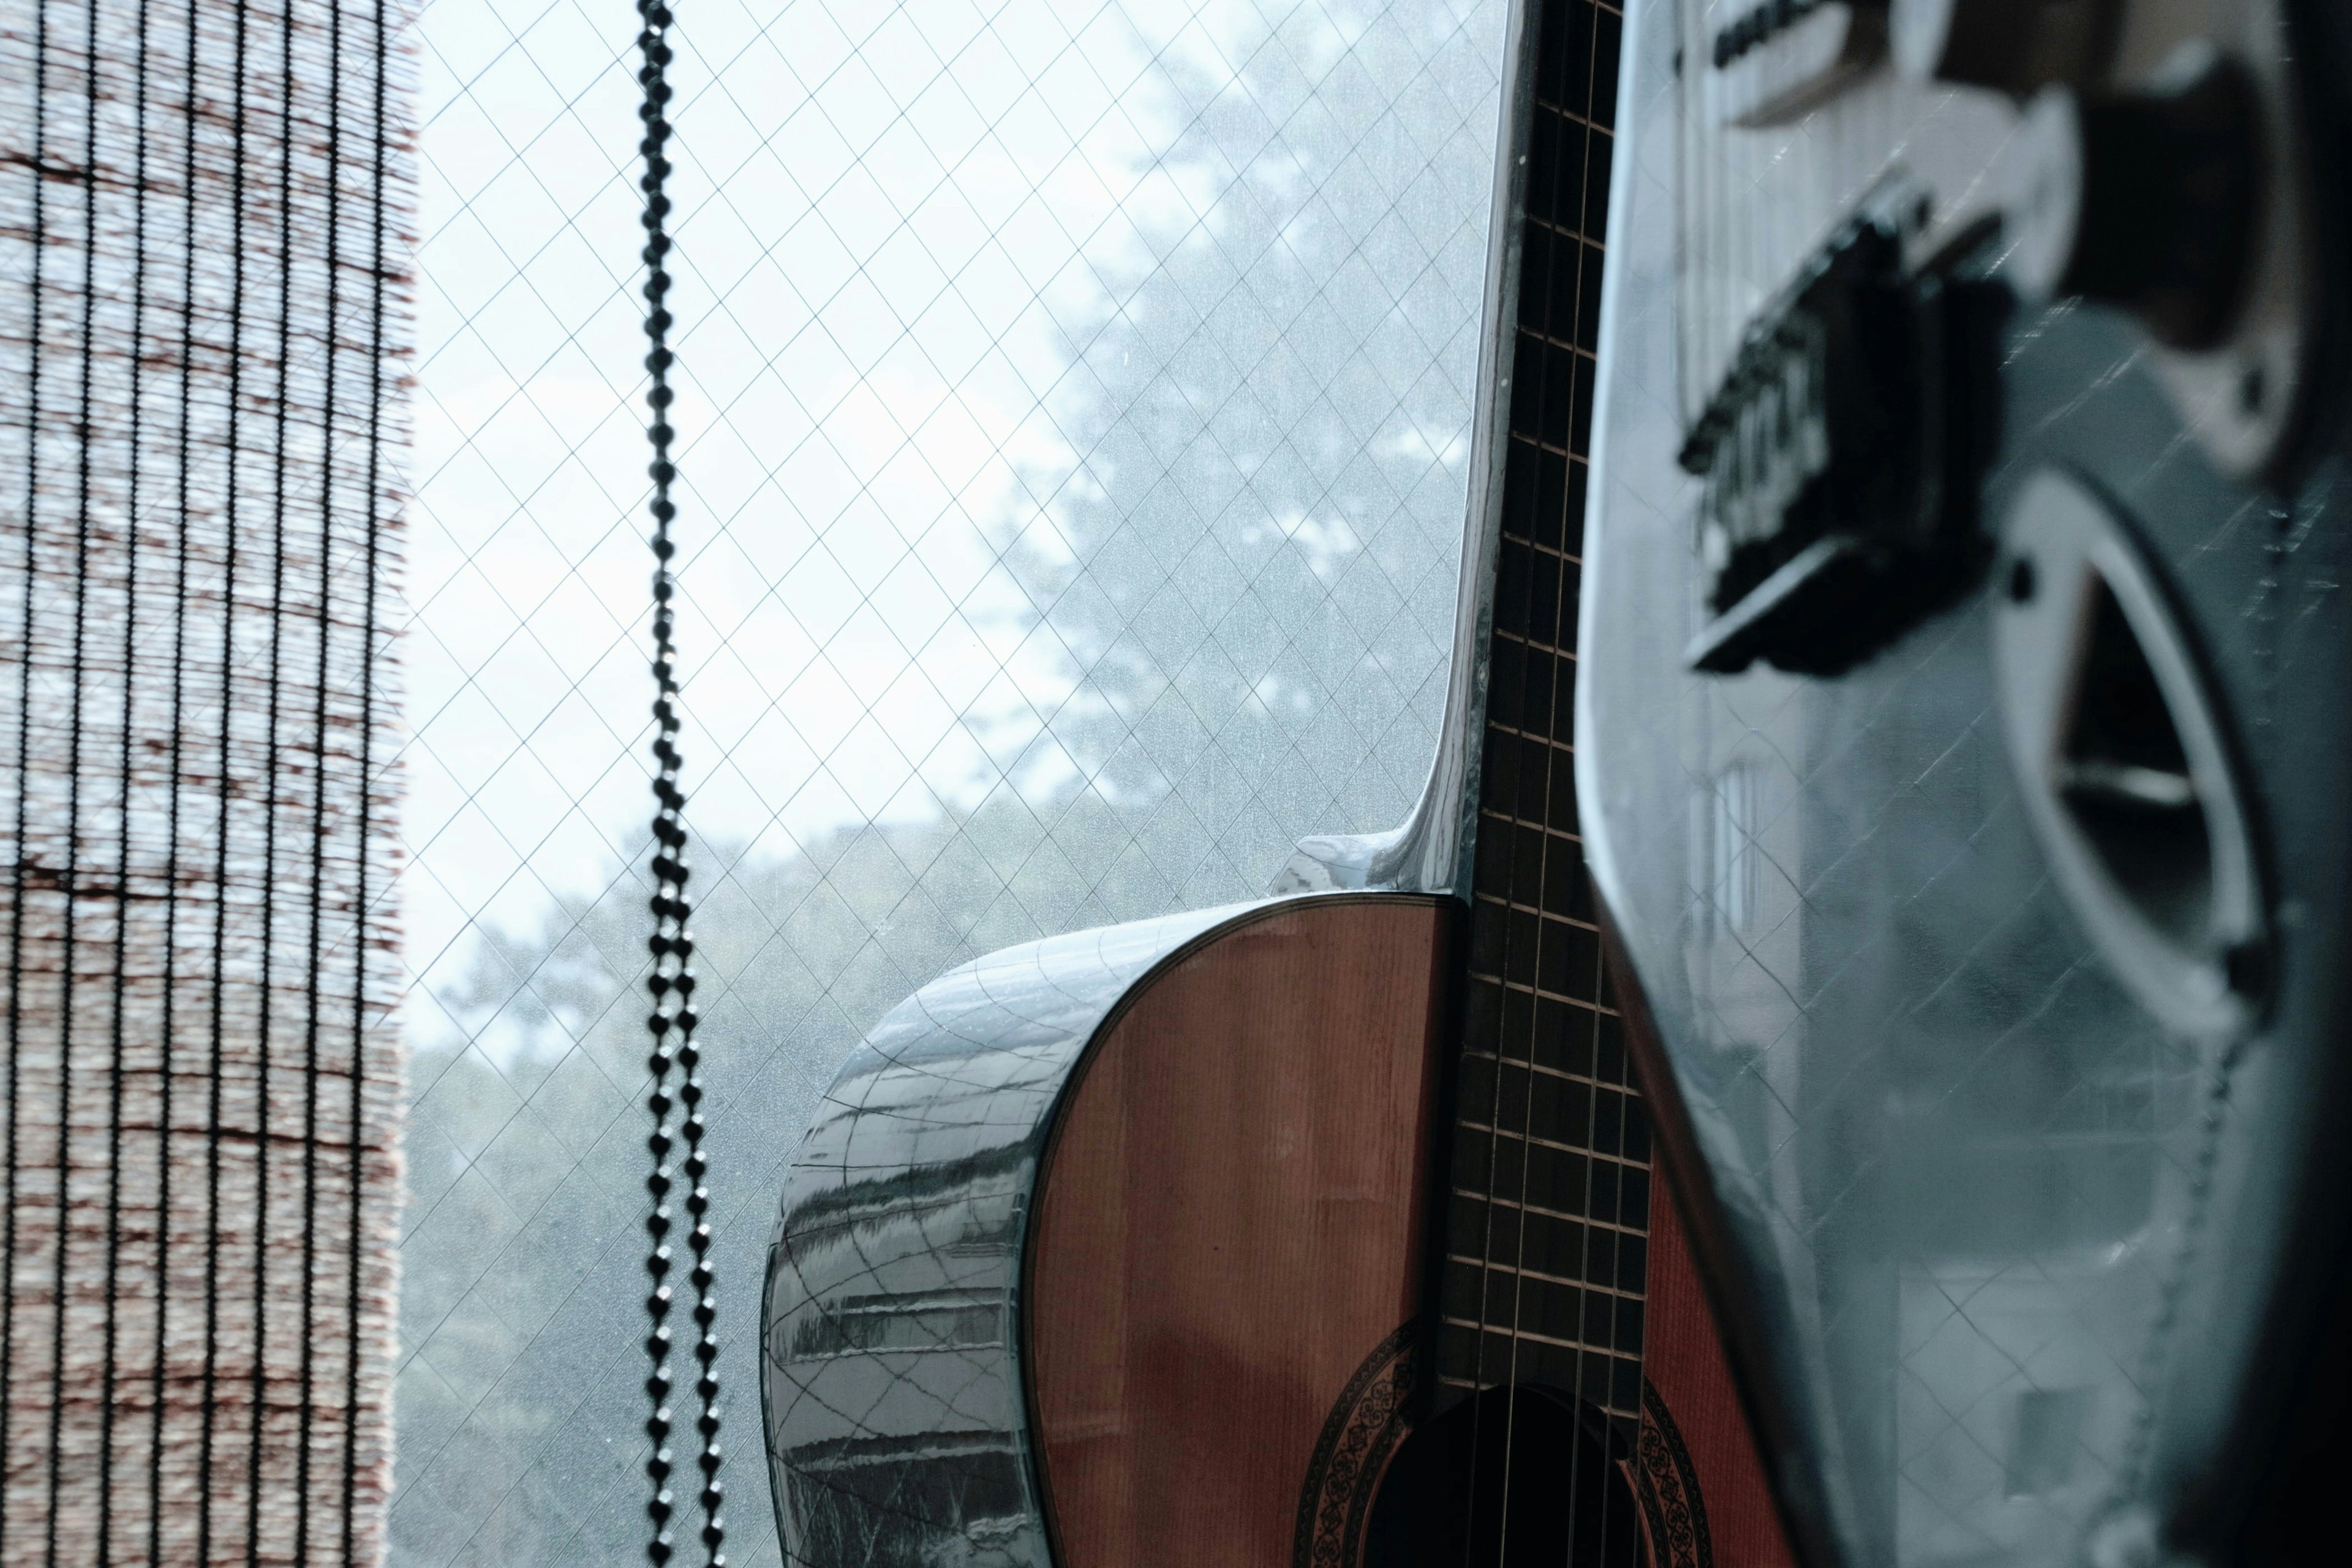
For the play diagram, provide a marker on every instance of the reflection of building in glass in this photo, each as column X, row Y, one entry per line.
column 2044, row 1450
column 872, row 1472
column 897, row 1427
column 1960, row 1160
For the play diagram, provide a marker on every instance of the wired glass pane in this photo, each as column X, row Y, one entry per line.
column 1076, row 411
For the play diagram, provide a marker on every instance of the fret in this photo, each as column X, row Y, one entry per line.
column 1553, row 1216
column 1532, row 1146
column 1560, row 269
column 1605, row 1315
column 1546, row 1068
column 1545, row 1239
column 1553, row 1176
column 1496, row 825
column 1564, row 1342
column 1536, row 645
column 1534, row 693
column 1533, row 947
column 1561, row 1248
column 1465, row 1289
column 1554, row 552
column 1559, row 1312
column 1551, row 396
column 1557, row 1243
column 1544, row 1111
column 1473, row 1358
column 1605, row 1296
column 1530, row 683
column 1549, row 873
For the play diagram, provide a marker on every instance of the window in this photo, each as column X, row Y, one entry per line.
column 1075, row 410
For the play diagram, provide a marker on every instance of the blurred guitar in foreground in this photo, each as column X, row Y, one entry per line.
column 1965, row 749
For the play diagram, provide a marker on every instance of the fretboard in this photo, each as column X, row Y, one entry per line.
column 1547, row 1236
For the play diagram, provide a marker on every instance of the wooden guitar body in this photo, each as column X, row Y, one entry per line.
column 1152, row 1283
column 1230, row 1226
column 1118, row 1299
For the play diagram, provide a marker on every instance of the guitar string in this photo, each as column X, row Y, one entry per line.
column 1557, row 17
column 1576, row 1465
column 1585, row 16
column 1577, row 1423
column 1577, row 1436
column 1527, row 390
column 1528, row 396
column 1532, row 15
column 1562, row 224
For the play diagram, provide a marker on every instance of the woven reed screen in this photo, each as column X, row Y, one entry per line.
column 202, row 318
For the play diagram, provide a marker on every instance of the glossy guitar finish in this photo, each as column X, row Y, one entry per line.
column 897, row 1420
column 1102, row 1227
column 1229, row 1223
column 1140, row 1203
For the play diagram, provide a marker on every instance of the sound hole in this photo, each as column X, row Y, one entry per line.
column 1512, row 1479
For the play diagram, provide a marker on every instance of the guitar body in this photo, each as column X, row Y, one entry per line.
column 1226, row 1290
column 1176, row 1198
column 1152, row 1283
column 1231, row 1223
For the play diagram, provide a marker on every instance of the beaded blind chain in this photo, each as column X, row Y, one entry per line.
column 671, row 1023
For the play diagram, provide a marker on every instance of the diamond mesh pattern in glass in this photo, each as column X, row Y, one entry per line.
column 1075, row 407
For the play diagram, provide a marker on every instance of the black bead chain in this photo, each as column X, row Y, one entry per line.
column 671, row 1023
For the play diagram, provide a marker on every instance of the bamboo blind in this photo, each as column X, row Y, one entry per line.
column 204, row 210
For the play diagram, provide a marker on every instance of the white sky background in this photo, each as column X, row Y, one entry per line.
column 905, row 260
column 923, row 251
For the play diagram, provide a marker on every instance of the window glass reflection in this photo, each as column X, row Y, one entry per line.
column 1075, row 407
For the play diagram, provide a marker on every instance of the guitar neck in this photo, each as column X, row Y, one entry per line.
column 1545, row 1237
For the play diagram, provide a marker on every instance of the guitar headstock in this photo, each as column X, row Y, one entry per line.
column 2141, row 156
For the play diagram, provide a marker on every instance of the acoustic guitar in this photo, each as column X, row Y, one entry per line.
column 1910, row 582
column 1321, row 1230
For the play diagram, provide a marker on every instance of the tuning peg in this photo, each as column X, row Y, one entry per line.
column 2143, row 200
column 2012, row 46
